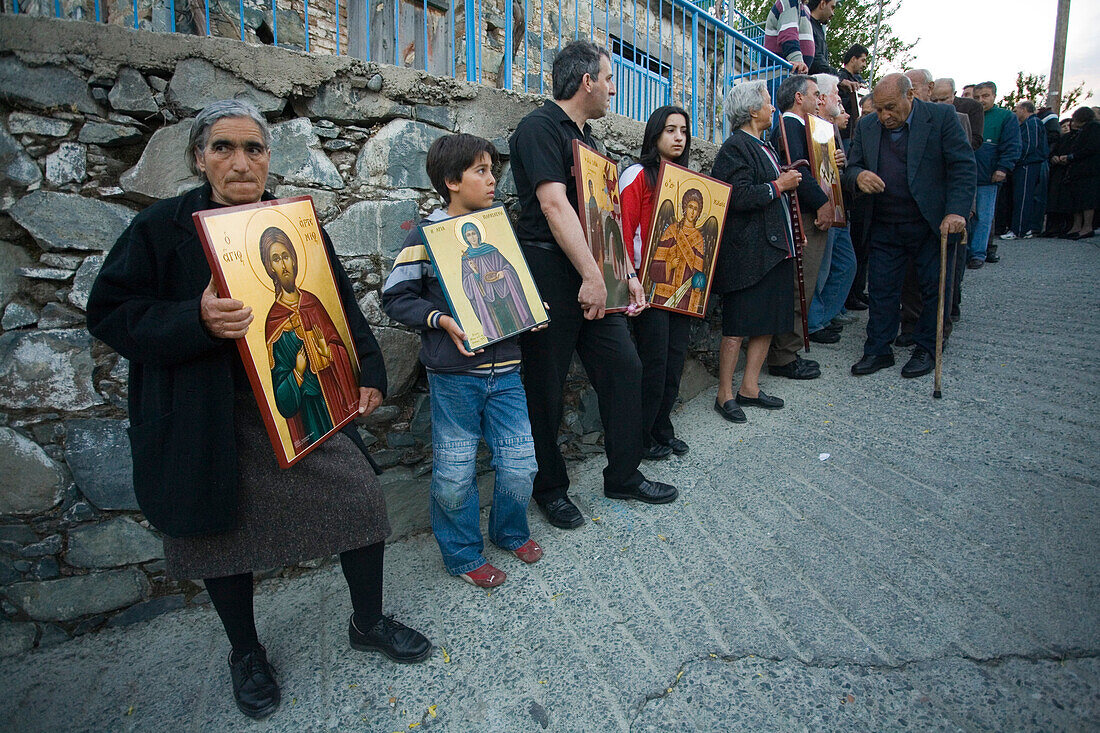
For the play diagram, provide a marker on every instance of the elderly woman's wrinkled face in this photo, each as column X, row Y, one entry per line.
column 235, row 161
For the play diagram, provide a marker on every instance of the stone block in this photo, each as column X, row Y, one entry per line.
column 161, row 171
column 408, row 499
column 44, row 87
column 44, row 273
column 131, row 94
column 373, row 228
column 30, row 481
column 297, row 157
column 196, row 83
column 108, row 135
column 16, row 638
column 66, row 221
column 13, row 257
column 24, row 123
column 16, row 166
column 399, row 349
column 323, row 201
column 440, row 116
column 371, row 305
column 67, row 164
column 83, row 280
column 338, row 100
column 50, row 370
column 17, row 315
column 114, row 543
column 79, row 595
column 98, row 453
column 19, row 533
column 48, row 546
column 147, row 610
column 55, row 315
column 395, row 156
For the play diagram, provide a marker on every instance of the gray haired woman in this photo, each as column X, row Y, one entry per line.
column 204, row 471
column 755, row 266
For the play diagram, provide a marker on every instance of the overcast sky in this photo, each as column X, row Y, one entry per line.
column 976, row 40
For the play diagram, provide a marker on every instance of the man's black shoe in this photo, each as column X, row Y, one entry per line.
column 856, row 304
column 562, row 513
column 798, row 369
column 992, row 257
column 651, row 492
column 254, row 686
column 904, row 339
column 974, row 264
column 919, row 364
column 678, row 446
column 825, row 336
column 391, row 637
column 730, row 411
column 761, row 400
column 871, row 363
column 657, row 452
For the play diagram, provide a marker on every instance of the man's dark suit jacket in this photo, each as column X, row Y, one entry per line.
column 810, row 195
column 972, row 108
column 939, row 163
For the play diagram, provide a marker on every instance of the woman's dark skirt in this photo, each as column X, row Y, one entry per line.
column 328, row 502
column 762, row 308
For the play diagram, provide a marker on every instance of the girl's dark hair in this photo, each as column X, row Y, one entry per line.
column 1081, row 115
column 650, row 158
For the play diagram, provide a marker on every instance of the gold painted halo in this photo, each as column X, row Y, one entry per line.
column 682, row 188
column 256, row 226
column 460, row 223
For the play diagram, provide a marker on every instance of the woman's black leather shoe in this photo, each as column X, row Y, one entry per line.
column 391, row 637
column 254, row 686
column 761, row 400
column 730, row 411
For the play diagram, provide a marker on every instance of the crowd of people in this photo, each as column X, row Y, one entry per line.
column 916, row 161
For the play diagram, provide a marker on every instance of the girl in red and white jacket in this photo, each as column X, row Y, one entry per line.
column 661, row 335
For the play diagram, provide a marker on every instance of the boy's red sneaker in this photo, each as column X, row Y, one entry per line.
column 485, row 577
column 529, row 552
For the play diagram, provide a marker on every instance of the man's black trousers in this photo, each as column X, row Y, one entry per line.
column 613, row 368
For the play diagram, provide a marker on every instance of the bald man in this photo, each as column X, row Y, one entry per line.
column 914, row 163
column 943, row 90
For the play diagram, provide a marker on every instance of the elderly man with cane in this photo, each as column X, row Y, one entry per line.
column 914, row 161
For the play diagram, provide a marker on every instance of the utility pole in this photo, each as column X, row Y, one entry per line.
column 1058, row 63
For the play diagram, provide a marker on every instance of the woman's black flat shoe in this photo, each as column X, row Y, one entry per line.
column 761, row 400
column 730, row 411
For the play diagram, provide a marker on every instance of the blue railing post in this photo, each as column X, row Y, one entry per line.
column 694, row 72
column 508, row 40
column 305, row 21
column 472, row 42
column 274, row 24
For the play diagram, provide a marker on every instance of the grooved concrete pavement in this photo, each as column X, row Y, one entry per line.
column 937, row 571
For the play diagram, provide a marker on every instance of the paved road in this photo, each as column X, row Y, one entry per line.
column 938, row 570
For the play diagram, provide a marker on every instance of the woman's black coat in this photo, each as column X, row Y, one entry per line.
column 145, row 305
column 755, row 237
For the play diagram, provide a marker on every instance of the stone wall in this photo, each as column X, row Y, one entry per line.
column 93, row 131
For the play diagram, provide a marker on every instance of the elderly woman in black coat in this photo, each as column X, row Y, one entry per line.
column 204, row 471
column 755, row 265
column 1082, row 179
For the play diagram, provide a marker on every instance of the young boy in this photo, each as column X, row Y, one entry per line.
column 474, row 395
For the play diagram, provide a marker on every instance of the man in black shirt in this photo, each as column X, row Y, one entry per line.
column 571, row 282
column 855, row 61
column 821, row 12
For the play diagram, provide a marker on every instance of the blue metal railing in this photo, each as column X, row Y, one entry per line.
column 663, row 51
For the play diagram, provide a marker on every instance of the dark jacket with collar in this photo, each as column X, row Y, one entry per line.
column 145, row 305
column 755, row 238
column 972, row 108
column 810, row 195
column 939, row 162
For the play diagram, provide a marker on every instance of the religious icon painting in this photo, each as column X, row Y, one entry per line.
column 822, row 141
column 298, row 352
column 601, row 218
column 484, row 276
column 689, row 213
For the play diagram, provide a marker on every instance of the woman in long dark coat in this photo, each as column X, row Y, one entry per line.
column 204, row 470
column 1082, row 182
column 755, row 266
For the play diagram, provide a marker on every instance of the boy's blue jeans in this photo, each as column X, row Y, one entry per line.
column 466, row 408
column 833, row 281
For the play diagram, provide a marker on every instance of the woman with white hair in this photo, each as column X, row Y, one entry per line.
column 755, row 264
column 204, row 471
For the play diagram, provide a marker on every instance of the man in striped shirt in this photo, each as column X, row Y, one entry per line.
column 789, row 34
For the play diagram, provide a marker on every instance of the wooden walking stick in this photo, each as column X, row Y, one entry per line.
column 936, row 392
column 799, row 231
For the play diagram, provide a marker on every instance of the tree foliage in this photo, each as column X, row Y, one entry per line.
column 854, row 22
column 1034, row 88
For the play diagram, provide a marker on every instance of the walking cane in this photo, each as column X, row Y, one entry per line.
column 936, row 391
